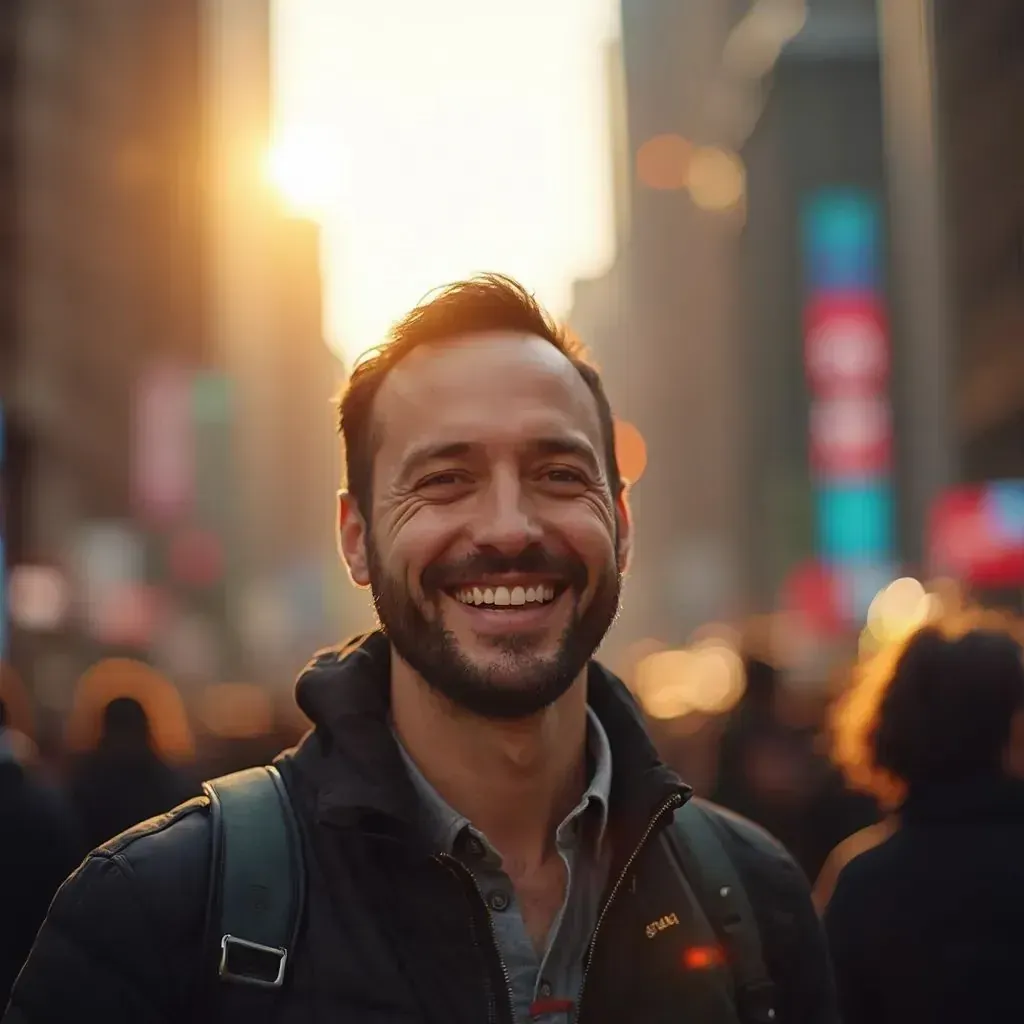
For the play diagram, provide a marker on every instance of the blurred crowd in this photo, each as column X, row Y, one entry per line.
column 900, row 793
column 60, row 802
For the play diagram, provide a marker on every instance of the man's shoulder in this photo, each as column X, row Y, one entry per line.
column 775, row 884
column 162, row 864
column 183, row 831
column 747, row 842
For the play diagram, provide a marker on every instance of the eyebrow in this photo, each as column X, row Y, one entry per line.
column 426, row 453
column 568, row 446
column 420, row 456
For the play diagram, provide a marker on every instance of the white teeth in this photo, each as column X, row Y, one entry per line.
column 504, row 597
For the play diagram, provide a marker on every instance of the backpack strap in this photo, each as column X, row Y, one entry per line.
column 257, row 875
column 717, row 885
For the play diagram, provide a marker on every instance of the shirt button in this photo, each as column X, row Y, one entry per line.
column 498, row 900
column 545, row 989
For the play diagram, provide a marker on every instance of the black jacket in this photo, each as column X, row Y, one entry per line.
column 390, row 933
column 929, row 925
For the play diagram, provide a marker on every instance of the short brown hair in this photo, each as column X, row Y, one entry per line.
column 935, row 709
column 489, row 302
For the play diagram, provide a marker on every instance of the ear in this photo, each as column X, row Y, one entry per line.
column 624, row 522
column 352, row 539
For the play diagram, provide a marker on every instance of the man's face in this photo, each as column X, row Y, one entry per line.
column 495, row 548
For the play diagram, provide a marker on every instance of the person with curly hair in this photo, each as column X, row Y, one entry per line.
column 927, row 924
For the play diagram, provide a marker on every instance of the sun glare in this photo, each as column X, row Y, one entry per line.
column 301, row 169
column 474, row 137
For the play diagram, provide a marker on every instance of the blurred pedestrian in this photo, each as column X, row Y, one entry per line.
column 928, row 925
column 773, row 771
column 124, row 780
column 38, row 850
column 487, row 831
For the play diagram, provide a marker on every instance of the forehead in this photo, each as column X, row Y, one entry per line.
column 488, row 389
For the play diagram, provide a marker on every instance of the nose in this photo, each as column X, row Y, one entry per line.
column 506, row 519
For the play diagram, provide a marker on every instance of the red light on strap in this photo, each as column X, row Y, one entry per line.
column 701, row 958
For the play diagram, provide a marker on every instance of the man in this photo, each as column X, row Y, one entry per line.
column 478, row 800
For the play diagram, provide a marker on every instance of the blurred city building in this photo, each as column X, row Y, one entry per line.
column 737, row 116
column 108, row 134
column 170, row 460
column 954, row 94
column 659, row 321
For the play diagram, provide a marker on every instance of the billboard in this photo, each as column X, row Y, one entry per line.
column 847, row 366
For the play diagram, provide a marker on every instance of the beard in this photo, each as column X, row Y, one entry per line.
column 520, row 681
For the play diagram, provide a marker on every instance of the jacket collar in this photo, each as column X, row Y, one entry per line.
column 357, row 769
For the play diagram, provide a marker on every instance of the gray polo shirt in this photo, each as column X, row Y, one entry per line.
column 556, row 974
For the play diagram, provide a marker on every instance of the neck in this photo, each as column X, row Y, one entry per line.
column 514, row 780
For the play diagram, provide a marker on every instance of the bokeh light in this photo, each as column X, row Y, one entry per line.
column 236, row 711
column 661, row 682
column 898, row 609
column 663, row 162
column 717, row 677
column 718, row 179
column 707, row 678
column 124, row 677
column 630, row 450
column 37, row 597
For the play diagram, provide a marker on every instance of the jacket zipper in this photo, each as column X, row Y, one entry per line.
column 671, row 804
column 455, row 866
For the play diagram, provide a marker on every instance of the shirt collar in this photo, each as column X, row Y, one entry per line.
column 443, row 824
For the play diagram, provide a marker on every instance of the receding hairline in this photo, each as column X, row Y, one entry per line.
column 468, row 340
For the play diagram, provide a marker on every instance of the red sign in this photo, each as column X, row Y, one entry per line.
column 965, row 541
column 851, row 437
column 846, row 347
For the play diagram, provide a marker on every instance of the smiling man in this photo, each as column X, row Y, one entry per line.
column 485, row 832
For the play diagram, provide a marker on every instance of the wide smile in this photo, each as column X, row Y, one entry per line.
column 512, row 605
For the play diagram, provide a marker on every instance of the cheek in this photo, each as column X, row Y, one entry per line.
column 423, row 539
column 589, row 530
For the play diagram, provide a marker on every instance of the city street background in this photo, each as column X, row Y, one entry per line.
column 790, row 233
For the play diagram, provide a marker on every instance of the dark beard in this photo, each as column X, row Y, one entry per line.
column 521, row 684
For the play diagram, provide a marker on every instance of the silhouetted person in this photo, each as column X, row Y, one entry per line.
column 124, row 781
column 770, row 771
column 928, row 925
column 38, row 850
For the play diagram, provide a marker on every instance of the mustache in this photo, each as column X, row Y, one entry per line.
column 445, row 575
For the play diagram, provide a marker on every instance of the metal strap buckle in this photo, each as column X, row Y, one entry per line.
column 250, row 970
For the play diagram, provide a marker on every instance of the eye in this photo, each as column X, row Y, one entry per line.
column 441, row 480
column 563, row 475
column 448, row 484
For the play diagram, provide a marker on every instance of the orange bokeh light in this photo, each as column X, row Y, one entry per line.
column 630, row 451
column 125, row 677
column 663, row 162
